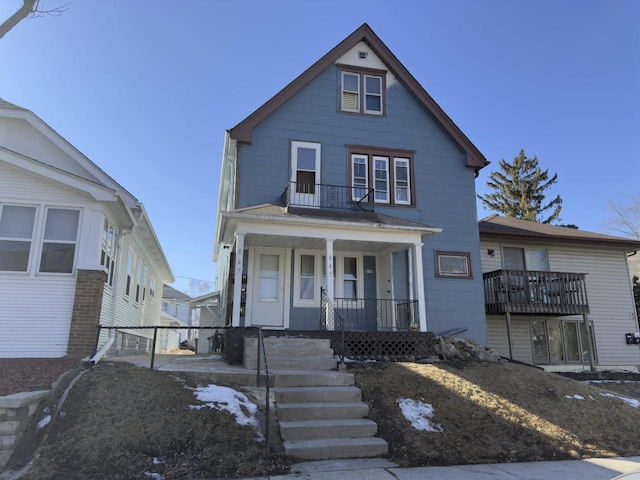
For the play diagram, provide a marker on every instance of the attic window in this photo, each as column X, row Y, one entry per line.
column 362, row 91
column 362, row 55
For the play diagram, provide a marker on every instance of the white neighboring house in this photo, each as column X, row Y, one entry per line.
column 176, row 311
column 76, row 249
column 544, row 283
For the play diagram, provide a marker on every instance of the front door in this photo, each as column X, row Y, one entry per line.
column 267, row 304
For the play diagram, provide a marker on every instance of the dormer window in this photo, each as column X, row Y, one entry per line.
column 362, row 92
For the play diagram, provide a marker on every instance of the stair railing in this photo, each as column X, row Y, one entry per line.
column 267, row 394
column 330, row 319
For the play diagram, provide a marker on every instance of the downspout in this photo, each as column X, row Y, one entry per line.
column 112, row 332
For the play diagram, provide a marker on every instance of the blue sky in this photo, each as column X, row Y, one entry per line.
column 146, row 89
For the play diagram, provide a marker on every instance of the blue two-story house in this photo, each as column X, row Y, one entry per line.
column 350, row 191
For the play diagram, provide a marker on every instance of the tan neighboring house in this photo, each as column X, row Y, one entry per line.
column 544, row 284
column 76, row 249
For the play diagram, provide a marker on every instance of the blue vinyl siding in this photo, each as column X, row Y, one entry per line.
column 444, row 185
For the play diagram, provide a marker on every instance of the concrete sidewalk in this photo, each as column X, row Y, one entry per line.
column 379, row 469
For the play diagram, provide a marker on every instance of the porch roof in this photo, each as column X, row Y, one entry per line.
column 327, row 216
column 275, row 225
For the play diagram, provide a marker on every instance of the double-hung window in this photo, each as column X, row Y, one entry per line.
column 109, row 250
column 391, row 172
column 311, row 274
column 360, row 177
column 139, row 281
column 59, row 242
column 130, row 262
column 16, row 237
column 381, row 172
column 362, row 91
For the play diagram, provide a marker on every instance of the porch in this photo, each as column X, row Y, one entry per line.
column 368, row 264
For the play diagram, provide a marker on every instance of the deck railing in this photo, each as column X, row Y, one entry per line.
column 535, row 292
column 320, row 195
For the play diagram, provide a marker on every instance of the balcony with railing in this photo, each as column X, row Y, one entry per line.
column 319, row 195
column 535, row 292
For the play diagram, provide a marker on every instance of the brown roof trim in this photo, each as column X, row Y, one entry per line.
column 243, row 132
column 510, row 229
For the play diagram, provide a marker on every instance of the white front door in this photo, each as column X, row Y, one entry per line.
column 267, row 299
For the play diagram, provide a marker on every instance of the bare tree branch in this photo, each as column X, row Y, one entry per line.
column 625, row 218
column 29, row 9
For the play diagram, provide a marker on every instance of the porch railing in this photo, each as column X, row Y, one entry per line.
column 328, row 196
column 369, row 314
column 535, row 292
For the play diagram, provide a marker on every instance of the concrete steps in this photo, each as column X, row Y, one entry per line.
column 328, row 448
column 284, row 353
column 320, row 412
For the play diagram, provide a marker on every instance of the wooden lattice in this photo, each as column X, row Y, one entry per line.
column 380, row 346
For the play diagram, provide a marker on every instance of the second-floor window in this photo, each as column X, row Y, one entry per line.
column 130, row 262
column 362, row 92
column 388, row 173
column 305, row 174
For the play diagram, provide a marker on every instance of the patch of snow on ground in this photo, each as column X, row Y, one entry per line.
column 631, row 401
column 419, row 414
column 44, row 422
column 576, row 396
column 156, row 476
column 603, row 381
column 234, row 402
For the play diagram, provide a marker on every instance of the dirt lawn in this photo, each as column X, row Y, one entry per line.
column 126, row 422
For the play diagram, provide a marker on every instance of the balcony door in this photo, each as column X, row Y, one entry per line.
column 305, row 174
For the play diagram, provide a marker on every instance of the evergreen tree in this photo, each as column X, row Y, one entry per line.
column 519, row 190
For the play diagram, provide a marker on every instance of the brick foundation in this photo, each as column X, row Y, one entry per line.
column 85, row 316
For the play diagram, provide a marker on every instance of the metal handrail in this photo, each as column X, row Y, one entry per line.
column 325, row 301
column 267, row 388
column 322, row 195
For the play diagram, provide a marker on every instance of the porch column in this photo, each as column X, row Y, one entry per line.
column 419, row 270
column 587, row 329
column 237, row 280
column 329, row 268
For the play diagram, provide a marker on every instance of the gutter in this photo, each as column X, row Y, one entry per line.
column 112, row 332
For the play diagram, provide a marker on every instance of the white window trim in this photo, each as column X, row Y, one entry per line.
column 365, row 94
column 33, row 243
column 295, row 145
column 137, row 295
column 111, row 253
column 339, row 276
column 386, row 162
column 359, row 156
column 467, row 258
column 343, row 91
column 42, row 241
column 130, row 275
column 407, row 162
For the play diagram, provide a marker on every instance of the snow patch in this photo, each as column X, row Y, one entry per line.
column 44, row 422
column 576, row 396
column 419, row 414
column 631, row 401
column 156, row 476
column 234, row 402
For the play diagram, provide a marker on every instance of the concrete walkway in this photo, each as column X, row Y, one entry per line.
column 380, row 469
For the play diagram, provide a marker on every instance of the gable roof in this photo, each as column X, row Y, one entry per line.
column 10, row 110
column 496, row 226
column 243, row 132
column 171, row 293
